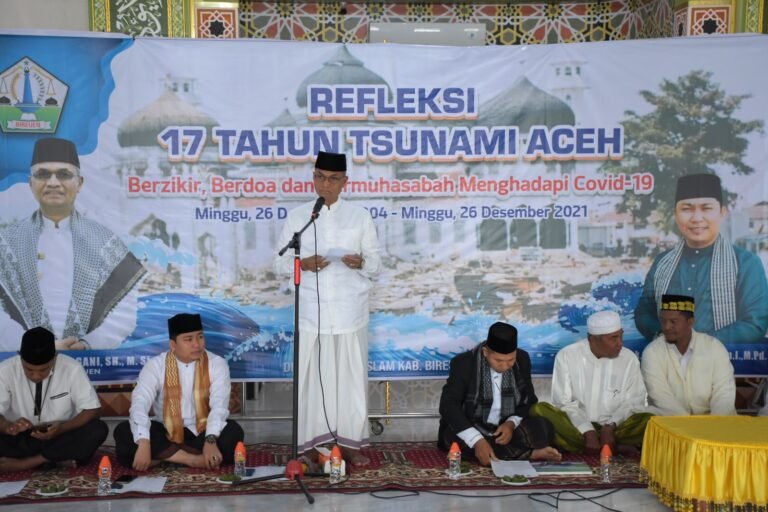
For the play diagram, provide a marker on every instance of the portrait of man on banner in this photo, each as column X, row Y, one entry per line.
column 61, row 270
column 727, row 282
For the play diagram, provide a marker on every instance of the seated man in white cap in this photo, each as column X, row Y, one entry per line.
column 190, row 388
column 46, row 416
column 484, row 405
column 598, row 394
column 687, row 372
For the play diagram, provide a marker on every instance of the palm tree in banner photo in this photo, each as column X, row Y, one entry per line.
column 691, row 130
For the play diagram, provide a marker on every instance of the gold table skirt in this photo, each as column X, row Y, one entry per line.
column 720, row 461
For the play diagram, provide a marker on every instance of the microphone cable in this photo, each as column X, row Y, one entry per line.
column 320, row 346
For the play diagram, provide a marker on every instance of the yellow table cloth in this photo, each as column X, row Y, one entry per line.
column 718, row 460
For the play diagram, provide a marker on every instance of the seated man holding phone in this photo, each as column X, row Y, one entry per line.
column 49, row 411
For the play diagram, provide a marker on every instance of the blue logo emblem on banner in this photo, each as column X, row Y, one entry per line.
column 31, row 98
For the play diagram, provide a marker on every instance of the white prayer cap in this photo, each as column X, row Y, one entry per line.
column 603, row 322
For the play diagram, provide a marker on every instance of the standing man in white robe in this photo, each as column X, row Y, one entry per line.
column 598, row 395
column 189, row 388
column 62, row 270
column 687, row 372
column 333, row 340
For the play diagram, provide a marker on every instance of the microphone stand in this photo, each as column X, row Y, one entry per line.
column 291, row 469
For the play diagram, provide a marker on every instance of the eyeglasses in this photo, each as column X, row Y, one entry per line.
column 333, row 180
column 61, row 175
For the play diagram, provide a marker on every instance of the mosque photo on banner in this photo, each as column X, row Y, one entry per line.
column 531, row 185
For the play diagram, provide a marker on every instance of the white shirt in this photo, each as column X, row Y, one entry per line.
column 684, row 359
column 343, row 291
column 55, row 264
column 67, row 391
column 707, row 386
column 471, row 435
column 601, row 390
column 149, row 393
column 55, row 273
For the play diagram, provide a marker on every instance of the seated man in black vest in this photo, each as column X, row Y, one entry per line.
column 49, row 411
column 484, row 405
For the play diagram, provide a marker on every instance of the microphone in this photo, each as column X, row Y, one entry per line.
column 318, row 205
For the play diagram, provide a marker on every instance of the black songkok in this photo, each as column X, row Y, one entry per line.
column 696, row 186
column 502, row 338
column 38, row 346
column 184, row 322
column 677, row 303
column 55, row 150
column 336, row 162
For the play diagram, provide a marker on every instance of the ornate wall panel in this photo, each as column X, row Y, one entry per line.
column 505, row 23
column 216, row 21
column 141, row 17
column 753, row 16
column 710, row 20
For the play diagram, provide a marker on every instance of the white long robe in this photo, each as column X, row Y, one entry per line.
column 341, row 351
column 707, row 387
column 604, row 390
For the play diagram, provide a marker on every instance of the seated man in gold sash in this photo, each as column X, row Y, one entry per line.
column 191, row 387
column 598, row 395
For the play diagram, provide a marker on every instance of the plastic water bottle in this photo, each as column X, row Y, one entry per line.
column 454, row 461
column 240, row 457
column 605, row 464
column 335, row 465
column 105, row 477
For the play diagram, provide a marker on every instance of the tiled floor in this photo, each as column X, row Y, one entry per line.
column 628, row 500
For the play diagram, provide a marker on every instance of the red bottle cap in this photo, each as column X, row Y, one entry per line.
column 105, row 463
column 455, row 447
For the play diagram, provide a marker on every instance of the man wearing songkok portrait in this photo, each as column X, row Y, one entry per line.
column 598, row 395
column 687, row 372
column 485, row 402
column 727, row 282
column 334, row 312
column 189, row 387
column 49, row 411
column 61, row 270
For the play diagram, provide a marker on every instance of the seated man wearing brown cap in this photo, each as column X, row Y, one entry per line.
column 190, row 388
column 49, row 412
column 484, row 405
column 598, row 395
column 728, row 282
column 687, row 372
column 62, row 270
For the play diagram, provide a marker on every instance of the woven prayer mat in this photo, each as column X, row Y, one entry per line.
column 410, row 466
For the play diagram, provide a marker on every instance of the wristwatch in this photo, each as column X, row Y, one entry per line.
column 210, row 438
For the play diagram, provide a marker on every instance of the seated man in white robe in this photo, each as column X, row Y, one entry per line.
column 598, row 395
column 687, row 372
column 190, row 387
column 49, row 411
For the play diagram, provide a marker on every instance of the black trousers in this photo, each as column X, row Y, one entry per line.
column 531, row 434
column 162, row 448
column 79, row 444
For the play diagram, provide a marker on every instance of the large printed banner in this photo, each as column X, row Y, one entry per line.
column 533, row 185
